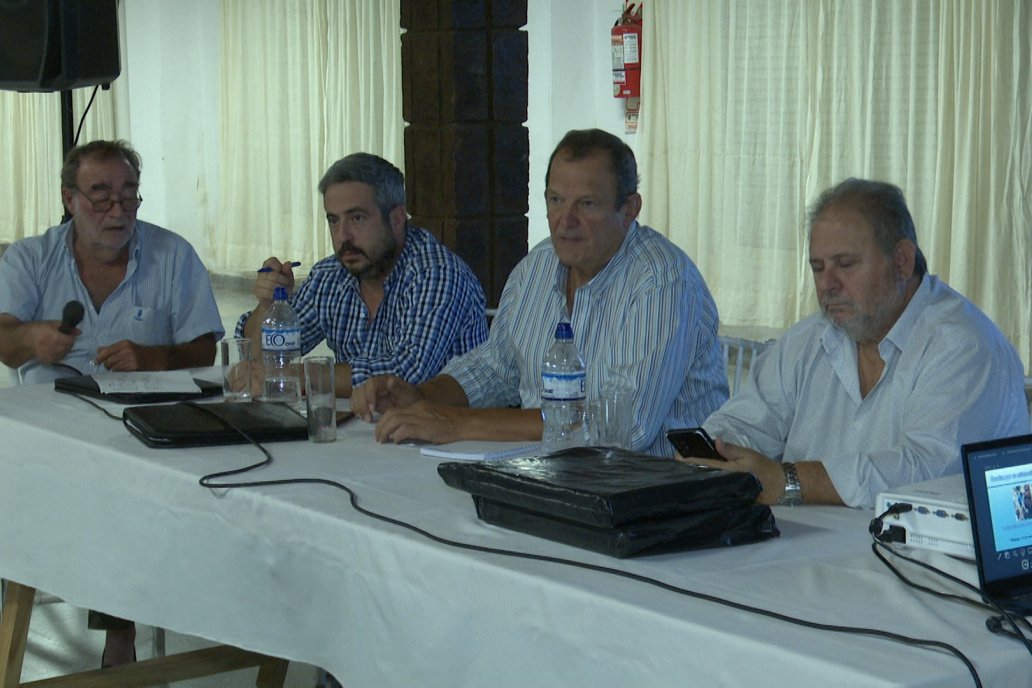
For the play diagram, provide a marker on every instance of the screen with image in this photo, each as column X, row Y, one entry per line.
column 1002, row 496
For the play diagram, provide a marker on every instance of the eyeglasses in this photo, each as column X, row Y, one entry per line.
column 106, row 204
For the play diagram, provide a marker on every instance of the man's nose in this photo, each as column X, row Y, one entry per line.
column 568, row 216
column 340, row 233
column 828, row 281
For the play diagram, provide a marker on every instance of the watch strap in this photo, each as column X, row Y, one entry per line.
column 793, row 495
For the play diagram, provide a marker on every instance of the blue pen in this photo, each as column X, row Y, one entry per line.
column 293, row 264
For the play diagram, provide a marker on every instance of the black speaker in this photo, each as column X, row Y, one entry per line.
column 57, row 45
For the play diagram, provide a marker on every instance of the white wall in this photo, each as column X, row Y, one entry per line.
column 570, row 84
column 173, row 53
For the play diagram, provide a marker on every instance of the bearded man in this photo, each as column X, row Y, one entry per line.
column 882, row 387
column 392, row 300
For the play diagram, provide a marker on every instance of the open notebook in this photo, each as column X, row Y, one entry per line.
column 998, row 476
column 87, row 385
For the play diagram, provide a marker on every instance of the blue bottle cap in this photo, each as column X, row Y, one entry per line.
column 279, row 294
column 564, row 330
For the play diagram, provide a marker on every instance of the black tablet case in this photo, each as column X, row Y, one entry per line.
column 87, row 386
column 615, row 502
column 200, row 425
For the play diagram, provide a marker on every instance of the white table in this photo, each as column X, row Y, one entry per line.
column 295, row 572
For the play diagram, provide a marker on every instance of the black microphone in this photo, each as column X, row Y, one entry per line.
column 71, row 316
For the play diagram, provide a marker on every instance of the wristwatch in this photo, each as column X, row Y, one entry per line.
column 793, row 495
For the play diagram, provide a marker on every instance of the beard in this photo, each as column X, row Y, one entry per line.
column 378, row 258
column 869, row 326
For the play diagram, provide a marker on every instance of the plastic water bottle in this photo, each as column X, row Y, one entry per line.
column 562, row 393
column 281, row 352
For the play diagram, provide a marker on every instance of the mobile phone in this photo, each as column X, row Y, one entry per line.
column 694, row 442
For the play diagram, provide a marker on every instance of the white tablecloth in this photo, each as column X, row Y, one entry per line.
column 90, row 514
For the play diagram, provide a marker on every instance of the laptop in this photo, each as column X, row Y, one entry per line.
column 998, row 477
column 188, row 424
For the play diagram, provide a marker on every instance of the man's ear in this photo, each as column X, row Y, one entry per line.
column 398, row 217
column 66, row 198
column 904, row 259
column 631, row 208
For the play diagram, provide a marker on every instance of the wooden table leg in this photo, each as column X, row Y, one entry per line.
column 272, row 673
column 14, row 632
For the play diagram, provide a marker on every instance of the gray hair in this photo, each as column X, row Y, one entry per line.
column 386, row 179
column 882, row 205
column 101, row 150
column 580, row 143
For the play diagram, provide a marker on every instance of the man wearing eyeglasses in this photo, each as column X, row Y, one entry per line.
column 147, row 297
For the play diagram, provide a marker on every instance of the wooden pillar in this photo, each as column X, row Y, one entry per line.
column 467, row 153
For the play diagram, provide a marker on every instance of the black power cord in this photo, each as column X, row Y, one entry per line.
column 209, row 481
column 995, row 623
column 894, row 533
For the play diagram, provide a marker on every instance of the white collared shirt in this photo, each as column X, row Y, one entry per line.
column 165, row 298
column 950, row 378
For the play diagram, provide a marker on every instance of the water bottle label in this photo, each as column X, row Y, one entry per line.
column 562, row 386
column 281, row 340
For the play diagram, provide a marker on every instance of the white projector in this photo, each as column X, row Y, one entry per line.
column 940, row 520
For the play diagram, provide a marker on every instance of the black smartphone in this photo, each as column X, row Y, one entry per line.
column 694, row 442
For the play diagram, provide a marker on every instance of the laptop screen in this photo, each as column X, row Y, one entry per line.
column 998, row 475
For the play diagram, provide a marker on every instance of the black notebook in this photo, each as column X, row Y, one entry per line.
column 200, row 425
column 615, row 502
column 88, row 387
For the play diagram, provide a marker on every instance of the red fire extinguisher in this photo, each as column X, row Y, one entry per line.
column 626, row 41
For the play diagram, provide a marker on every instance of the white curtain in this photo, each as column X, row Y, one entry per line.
column 303, row 84
column 31, row 151
column 751, row 108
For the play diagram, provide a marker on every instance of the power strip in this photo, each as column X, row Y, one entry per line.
column 940, row 520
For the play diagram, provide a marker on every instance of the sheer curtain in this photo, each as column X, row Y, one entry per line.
column 31, row 152
column 303, row 84
column 750, row 109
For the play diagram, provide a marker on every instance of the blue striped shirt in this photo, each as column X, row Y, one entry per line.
column 164, row 299
column 432, row 310
column 950, row 378
column 647, row 315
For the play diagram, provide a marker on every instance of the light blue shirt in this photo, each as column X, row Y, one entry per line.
column 950, row 378
column 164, row 299
column 646, row 315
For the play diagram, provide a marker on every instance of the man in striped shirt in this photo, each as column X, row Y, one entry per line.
column 392, row 299
column 638, row 306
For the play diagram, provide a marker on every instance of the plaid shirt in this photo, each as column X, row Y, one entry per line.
column 432, row 310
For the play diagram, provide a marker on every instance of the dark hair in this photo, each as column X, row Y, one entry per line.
column 580, row 143
column 386, row 179
column 882, row 205
column 102, row 150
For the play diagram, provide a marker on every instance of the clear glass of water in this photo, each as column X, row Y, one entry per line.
column 320, row 399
